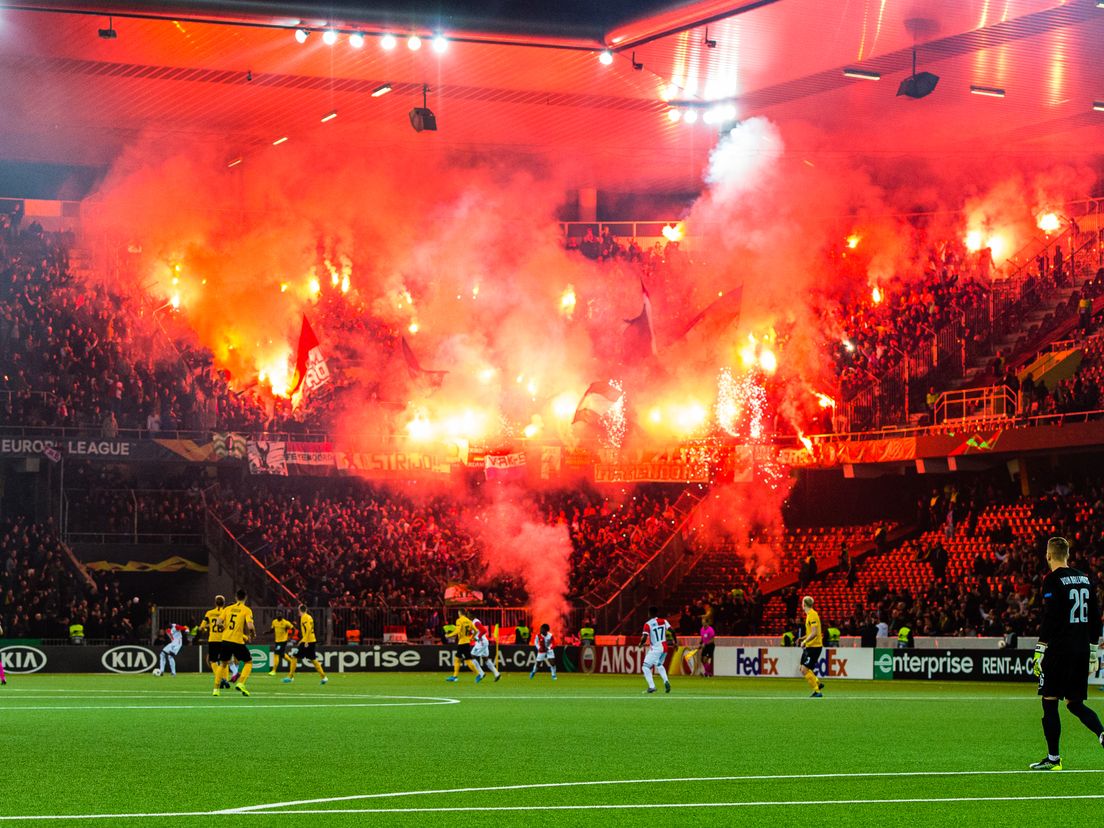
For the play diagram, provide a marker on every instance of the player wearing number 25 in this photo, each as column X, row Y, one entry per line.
column 1067, row 650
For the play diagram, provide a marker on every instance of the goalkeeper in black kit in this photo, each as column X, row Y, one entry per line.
column 1067, row 650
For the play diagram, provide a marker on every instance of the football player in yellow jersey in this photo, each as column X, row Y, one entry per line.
column 280, row 629
column 212, row 625
column 237, row 621
column 813, row 643
column 306, row 651
column 465, row 632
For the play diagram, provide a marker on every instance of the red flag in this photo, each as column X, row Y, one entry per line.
column 307, row 342
column 415, row 368
column 639, row 337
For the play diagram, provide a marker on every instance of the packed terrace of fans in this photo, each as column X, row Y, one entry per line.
column 78, row 355
column 84, row 356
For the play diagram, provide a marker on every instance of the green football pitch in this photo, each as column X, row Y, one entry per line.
column 584, row 750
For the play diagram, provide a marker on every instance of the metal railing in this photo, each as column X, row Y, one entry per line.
column 993, row 403
column 247, row 569
column 638, row 586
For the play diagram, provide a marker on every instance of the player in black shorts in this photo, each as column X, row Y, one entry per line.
column 1067, row 650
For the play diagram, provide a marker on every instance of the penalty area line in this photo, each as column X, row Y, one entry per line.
column 245, row 809
column 793, row 803
column 790, row 803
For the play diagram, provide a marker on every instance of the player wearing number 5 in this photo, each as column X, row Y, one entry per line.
column 237, row 623
column 1067, row 650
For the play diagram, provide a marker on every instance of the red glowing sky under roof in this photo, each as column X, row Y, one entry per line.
column 70, row 96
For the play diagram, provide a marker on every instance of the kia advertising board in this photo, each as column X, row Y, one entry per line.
column 21, row 659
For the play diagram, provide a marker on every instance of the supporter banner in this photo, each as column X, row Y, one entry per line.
column 851, row 453
column 396, row 465
column 229, row 444
column 505, row 466
column 310, row 458
column 266, row 457
column 783, row 662
column 457, row 593
column 956, row 665
column 679, row 465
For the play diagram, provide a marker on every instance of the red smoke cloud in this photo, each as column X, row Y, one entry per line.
column 461, row 254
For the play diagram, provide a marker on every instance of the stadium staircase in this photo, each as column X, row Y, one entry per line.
column 1027, row 321
column 233, row 565
column 615, row 605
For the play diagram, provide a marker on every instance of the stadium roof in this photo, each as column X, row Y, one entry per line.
column 523, row 76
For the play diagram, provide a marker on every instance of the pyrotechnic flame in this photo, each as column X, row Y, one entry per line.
column 805, row 441
column 175, row 301
column 673, row 232
column 563, row 406
column 824, row 401
column 876, row 295
column 314, row 287
column 275, row 374
column 689, row 418
column 534, row 428
column 656, row 415
column 486, row 375
column 996, row 244
column 728, row 404
column 283, row 287
column 973, row 241
column 768, row 361
column 853, row 241
column 420, row 428
column 849, row 345
column 414, row 327
column 345, row 283
column 614, row 419
column 567, row 302
column 748, row 353
column 469, row 424
column 1048, row 222
column 533, row 387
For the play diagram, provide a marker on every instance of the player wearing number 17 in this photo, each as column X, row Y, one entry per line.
column 1067, row 650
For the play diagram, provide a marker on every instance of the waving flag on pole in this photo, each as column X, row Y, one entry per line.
column 311, row 370
column 598, row 399
column 639, row 338
column 415, row 368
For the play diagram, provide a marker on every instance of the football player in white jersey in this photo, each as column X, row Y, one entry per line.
column 545, row 652
column 481, row 649
column 176, row 640
column 654, row 638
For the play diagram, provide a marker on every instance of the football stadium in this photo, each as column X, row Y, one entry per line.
column 578, row 413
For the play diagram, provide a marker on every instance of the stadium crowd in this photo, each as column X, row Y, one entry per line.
column 42, row 592
column 878, row 334
column 356, row 545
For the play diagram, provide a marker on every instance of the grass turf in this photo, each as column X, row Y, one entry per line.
column 129, row 745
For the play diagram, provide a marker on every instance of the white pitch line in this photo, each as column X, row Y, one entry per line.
column 269, row 810
column 260, row 704
column 610, row 782
column 651, row 805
